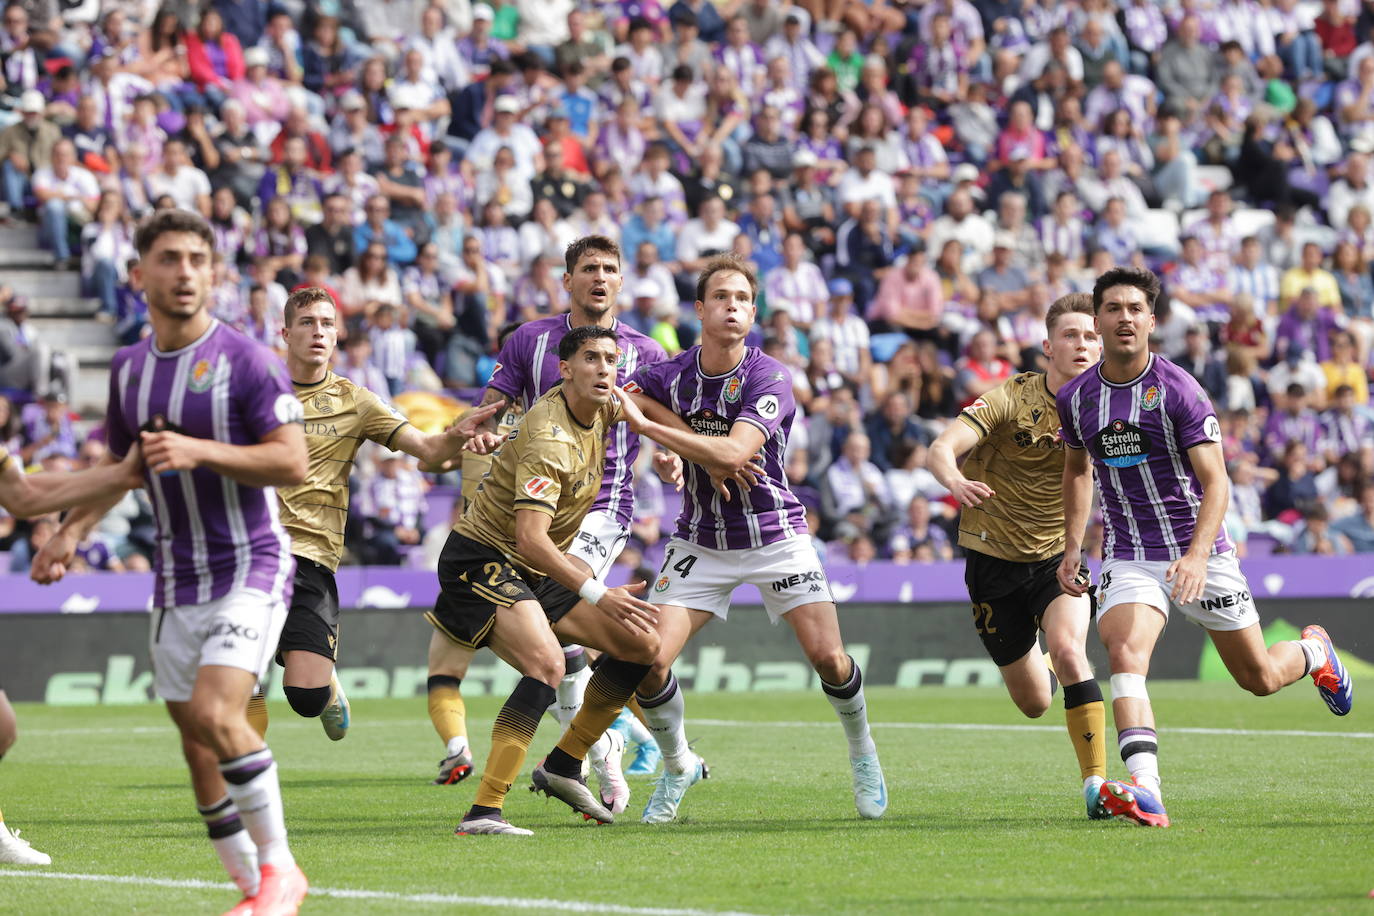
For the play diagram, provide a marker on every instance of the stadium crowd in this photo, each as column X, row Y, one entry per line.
column 914, row 182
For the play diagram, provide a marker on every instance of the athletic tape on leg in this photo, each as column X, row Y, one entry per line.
column 1129, row 685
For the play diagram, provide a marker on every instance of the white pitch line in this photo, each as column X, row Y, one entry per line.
column 511, row 903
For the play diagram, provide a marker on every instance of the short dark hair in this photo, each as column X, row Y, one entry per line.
column 723, row 263
column 306, row 295
column 574, row 339
column 163, row 222
column 1143, row 280
column 1082, row 303
column 589, row 243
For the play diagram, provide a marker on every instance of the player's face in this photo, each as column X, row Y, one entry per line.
column 176, row 274
column 1125, row 322
column 1073, row 346
column 591, row 371
column 313, row 334
column 727, row 312
column 594, row 283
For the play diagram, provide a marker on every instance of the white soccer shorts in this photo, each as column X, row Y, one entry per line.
column 600, row 539
column 788, row 574
column 1226, row 602
column 239, row 630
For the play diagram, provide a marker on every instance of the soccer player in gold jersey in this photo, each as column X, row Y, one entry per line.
column 339, row 417
column 1012, row 526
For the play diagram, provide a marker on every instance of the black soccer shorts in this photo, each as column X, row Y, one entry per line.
column 312, row 620
column 1009, row 599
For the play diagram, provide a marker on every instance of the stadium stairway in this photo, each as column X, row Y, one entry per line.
column 60, row 314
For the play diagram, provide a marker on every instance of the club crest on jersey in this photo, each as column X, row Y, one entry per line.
column 322, row 403
column 732, row 389
column 538, row 486
column 202, row 376
column 1151, row 398
column 621, row 357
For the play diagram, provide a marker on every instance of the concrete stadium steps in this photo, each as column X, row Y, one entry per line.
column 44, row 283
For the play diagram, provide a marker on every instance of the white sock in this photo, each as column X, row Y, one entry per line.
column 1140, row 752
column 456, row 745
column 666, row 714
column 236, row 850
column 253, row 786
column 638, row 733
column 1314, row 653
column 570, row 691
column 848, row 700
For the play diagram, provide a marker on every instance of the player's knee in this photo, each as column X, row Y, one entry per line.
column 1127, row 658
column 833, row 665
column 642, row 649
column 1258, row 680
column 546, row 669
column 1070, row 664
column 308, row 701
column 1032, row 707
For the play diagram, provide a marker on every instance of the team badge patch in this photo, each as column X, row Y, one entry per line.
column 322, row 403
column 538, row 486
column 621, row 357
column 732, row 389
column 662, row 584
column 1151, row 398
column 202, row 376
column 632, row 387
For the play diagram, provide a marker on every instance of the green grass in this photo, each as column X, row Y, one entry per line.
column 980, row 820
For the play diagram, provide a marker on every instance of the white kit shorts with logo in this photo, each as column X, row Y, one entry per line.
column 239, row 630
column 787, row 574
column 1226, row 603
column 600, row 539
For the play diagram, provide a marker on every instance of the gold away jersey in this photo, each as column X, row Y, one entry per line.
column 550, row 463
column 1020, row 455
column 339, row 415
column 474, row 467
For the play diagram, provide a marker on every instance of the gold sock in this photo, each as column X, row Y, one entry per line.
column 607, row 692
column 257, row 714
column 634, row 707
column 446, row 708
column 511, row 736
column 1087, row 729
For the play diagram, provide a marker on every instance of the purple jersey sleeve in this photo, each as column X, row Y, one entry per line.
column 649, row 380
column 766, row 400
column 1192, row 413
column 264, row 392
column 511, row 374
column 1068, row 431
column 118, row 436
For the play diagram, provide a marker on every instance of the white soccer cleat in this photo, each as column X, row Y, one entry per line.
column 870, row 789
column 14, row 851
column 669, row 789
column 610, row 777
column 490, row 825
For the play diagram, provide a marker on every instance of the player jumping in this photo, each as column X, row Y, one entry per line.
column 1153, row 438
column 1012, row 528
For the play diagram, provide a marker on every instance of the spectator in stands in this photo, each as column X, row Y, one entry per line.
column 893, row 431
column 846, row 333
column 1316, row 535
column 67, row 195
column 368, row 284
column 1252, row 275
column 919, row 531
column 213, row 57
column 106, row 246
column 854, row 489
column 1307, row 325
column 25, row 148
column 263, row 96
column 48, row 429
column 1310, row 275
column 1186, row 71
column 398, row 247
column 981, row 369
column 1358, row 527
column 354, row 362
column 278, row 248
column 177, row 178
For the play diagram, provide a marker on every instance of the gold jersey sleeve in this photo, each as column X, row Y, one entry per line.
column 339, row 417
column 1020, row 455
column 475, row 467
column 550, row 463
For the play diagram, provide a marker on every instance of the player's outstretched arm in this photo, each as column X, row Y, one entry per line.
column 279, row 460
column 1078, row 497
column 957, row 440
column 722, row 456
column 50, row 563
column 28, row 495
column 1189, row 572
column 533, row 541
column 437, row 448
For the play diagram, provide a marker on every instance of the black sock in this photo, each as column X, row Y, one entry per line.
column 562, row 763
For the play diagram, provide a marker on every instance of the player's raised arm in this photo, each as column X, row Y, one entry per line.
column 724, row 456
column 279, row 460
column 28, row 495
column 956, row 441
column 437, row 448
column 50, row 563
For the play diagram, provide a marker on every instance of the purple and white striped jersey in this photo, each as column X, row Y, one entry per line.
column 1138, row 435
column 758, row 391
column 213, row 535
column 527, row 367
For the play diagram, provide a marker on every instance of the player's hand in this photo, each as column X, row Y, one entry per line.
column 131, row 468
column 1189, row 575
column 630, row 612
column 50, row 563
column 484, row 443
column 971, row 493
column 471, row 423
column 634, row 417
column 669, row 468
column 168, row 451
column 1069, row 581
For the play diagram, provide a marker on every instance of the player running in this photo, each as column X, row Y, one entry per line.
column 506, row 581
column 738, row 404
column 339, row 417
column 219, row 428
column 1152, row 436
column 526, row 368
column 1011, row 490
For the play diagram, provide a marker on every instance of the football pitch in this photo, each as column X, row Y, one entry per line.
column 1271, row 802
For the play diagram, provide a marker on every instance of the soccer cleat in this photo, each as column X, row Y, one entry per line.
column 614, row 791
column 647, row 759
column 1332, row 680
column 14, row 851
column 669, row 789
column 455, row 768
column 489, row 825
column 870, row 789
column 280, row 892
column 335, row 717
column 1133, row 803
column 1092, row 797
column 572, row 792
column 243, row 908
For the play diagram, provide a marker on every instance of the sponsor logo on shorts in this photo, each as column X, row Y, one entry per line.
column 814, row 576
column 1151, row 398
column 1235, row 599
column 538, row 486
column 225, row 628
column 662, row 584
column 1122, row 445
column 509, row 590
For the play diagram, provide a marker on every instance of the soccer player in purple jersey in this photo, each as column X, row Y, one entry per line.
column 738, row 403
column 219, row 427
column 526, row 368
column 1149, row 431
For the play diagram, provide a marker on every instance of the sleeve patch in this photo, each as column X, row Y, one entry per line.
column 768, row 406
column 538, row 486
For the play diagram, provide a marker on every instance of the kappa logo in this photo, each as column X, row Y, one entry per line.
column 732, row 389
column 815, row 587
column 538, row 486
column 814, row 576
column 1151, row 398
column 202, row 376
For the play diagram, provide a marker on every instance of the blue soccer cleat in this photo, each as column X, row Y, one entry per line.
column 1332, row 680
column 336, row 716
column 647, row 759
column 1092, row 797
column 1133, row 803
column 668, row 791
